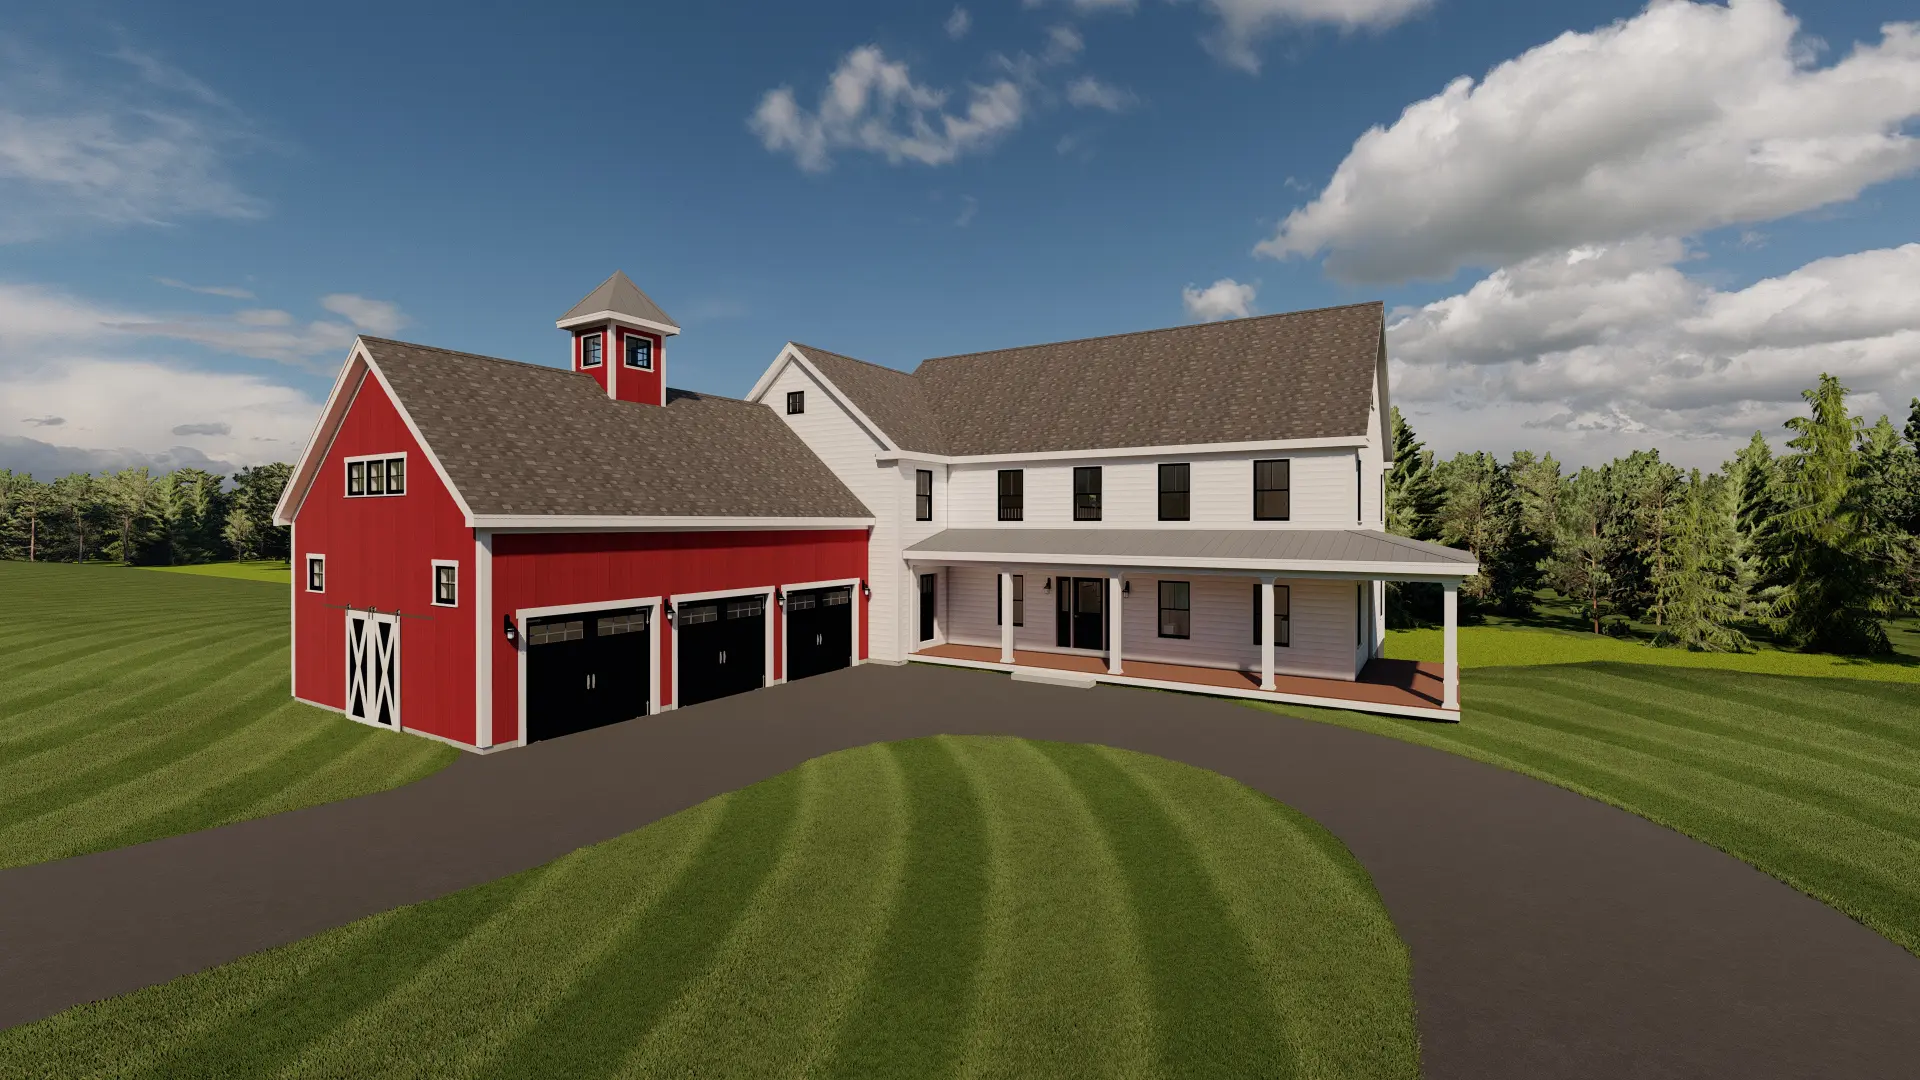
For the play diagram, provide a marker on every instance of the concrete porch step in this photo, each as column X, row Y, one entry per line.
column 1054, row 678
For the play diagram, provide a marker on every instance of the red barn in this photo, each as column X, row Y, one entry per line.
column 490, row 552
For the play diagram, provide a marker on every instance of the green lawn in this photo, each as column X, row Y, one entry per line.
column 137, row 705
column 1813, row 780
column 277, row 571
column 1512, row 646
column 986, row 906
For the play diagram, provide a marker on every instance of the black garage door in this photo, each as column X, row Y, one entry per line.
column 722, row 647
column 585, row 670
column 819, row 631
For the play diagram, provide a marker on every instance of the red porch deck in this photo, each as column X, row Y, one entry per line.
column 1401, row 686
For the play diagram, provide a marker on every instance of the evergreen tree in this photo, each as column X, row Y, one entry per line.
column 255, row 492
column 1645, row 490
column 1481, row 514
column 241, row 536
column 1413, row 495
column 193, row 511
column 1581, row 563
column 1700, row 595
column 1841, row 567
column 75, row 500
column 130, row 493
column 1913, row 425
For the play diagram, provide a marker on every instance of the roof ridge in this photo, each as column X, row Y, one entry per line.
column 1155, row 330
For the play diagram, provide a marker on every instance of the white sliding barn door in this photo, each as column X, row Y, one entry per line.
column 373, row 668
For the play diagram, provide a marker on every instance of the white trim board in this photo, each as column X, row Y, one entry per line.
column 616, row 317
column 654, row 642
column 482, row 639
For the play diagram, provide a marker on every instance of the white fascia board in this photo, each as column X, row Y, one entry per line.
column 616, row 523
column 1397, row 571
column 306, row 467
column 615, row 317
column 791, row 354
column 1343, row 442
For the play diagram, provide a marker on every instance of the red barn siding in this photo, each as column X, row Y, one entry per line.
column 635, row 384
column 547, row 569
column 380, row 553
column 579, row 354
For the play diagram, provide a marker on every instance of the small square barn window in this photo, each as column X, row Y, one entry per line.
column 639, row 351
column 1176, row 609
column 796, row 402
column 316, row 573
column 446, row 584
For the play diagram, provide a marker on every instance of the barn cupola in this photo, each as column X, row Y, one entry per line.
column 619, row 337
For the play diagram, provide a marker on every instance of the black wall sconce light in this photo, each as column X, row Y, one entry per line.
column 1126, row 587
column 779, row 597
column 511, row 631
column 669, row 614
column 866, row 590
column 1047, row 585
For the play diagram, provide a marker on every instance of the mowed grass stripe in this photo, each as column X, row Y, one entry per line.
column 783, row 983
column 913, row 1010
column 165, row 708
column 1334, row 968
column 1200, row 966
column 1062, row 989
column 1633, row 737
column 620, row 1000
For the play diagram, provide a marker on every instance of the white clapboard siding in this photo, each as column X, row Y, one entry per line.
column 1323, row 493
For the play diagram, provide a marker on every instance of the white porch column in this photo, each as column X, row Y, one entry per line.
column 1114, row 589
column 1266, row 631
column 1450, row 618
column 1006, row 616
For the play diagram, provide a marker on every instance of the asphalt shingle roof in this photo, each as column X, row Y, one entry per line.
column 522, row 438
column 1300, row 375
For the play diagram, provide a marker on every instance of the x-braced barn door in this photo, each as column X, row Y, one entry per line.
column 373, row 667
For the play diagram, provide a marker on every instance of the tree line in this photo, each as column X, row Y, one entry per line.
column 134, row 517
column 1814, row 548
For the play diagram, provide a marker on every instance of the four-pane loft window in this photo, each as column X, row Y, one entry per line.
column 1012, row 495
column 639, row 351
column 377, row 476
column 590, row 350
column 923, row 494
column 446, row 584
column 1282, row 615
column 1086, row 493
column 1176, row 609
column 1272, row 490
column 796, row 402
column 316, row 573
column 1176, row 485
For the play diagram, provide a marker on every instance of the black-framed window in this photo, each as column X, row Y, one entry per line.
column 796, row 402
column 1176, row 609
column 590, row 345
column 1013, row 499
column 1359, row 490
column 637, row 351
column 396, row 476
column 1282, row 615
column 1176, row 492
column 446, row 584
column 377, row 476
column 923, row 494
column 356, row 478
column 1019, row 601
column 1273, row 490
column 1086, row 493
column 316, row 573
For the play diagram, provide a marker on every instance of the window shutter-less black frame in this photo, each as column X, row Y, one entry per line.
column 1176, row 492
column 1176, row 609
column 923, row 494
column 1086, row 492
column 1012, row 501
column 796, row 402
column 1273, row 490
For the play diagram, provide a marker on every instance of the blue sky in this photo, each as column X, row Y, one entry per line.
column 1650, row 232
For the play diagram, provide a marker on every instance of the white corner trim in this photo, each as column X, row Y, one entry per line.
column 482, row 639
column 617, row 317
column 628, row 523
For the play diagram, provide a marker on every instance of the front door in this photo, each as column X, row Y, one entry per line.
column 1080, row 613
column 819, row 631
column 722, row 647
column 373, row 667
column 929, row 588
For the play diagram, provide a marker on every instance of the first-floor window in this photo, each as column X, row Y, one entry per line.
column 1282, row 615
column 1176, row 609
column 316, row 573
column 446, row 584
column 1019, row 601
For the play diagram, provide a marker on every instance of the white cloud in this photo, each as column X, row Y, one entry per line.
column 232, row 292
column 1224, row 299
column 969, row 206
column 1686, row 117
column 1064, row 44
column 1600, row 349
column 377, row 317
column 959, row 23
column 872, row 105
column 1242, row 22
column 129, row 141
column 1088, row 92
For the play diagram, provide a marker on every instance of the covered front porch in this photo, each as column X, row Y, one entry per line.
column 1283, row 615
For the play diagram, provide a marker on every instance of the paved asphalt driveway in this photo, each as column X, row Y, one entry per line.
column 1552, row 936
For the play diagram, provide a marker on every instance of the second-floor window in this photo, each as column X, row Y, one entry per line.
column 1272, row 490
column 590, row 350
column 377, row 476
column 796, row 402
column 1176, row 492
column 923, row 494
column 1086, row 493
column 1012, row 495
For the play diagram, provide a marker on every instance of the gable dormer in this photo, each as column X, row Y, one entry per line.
column 619, row 338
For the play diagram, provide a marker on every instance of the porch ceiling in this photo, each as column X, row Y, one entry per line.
column 1338, row 552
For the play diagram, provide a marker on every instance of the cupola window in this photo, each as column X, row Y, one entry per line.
column 639, row 352
column 589, row 350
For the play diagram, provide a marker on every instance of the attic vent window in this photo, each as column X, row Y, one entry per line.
column 796, row 402
column 639, row 352
column 383, row 474
column 589, row 350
